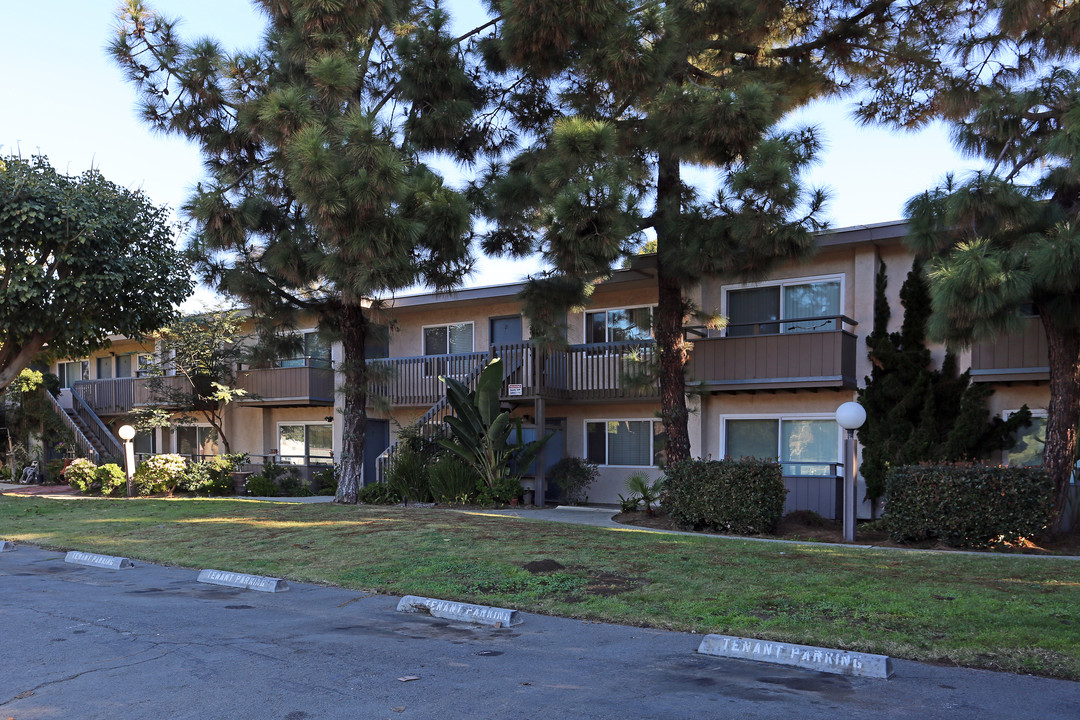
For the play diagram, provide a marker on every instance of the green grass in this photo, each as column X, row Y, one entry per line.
column 996, row 612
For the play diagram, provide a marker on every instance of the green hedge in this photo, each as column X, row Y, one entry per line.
column 738, row 496
column 967, row 505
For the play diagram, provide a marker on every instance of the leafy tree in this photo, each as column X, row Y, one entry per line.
column 80, row 258
column 318, row 197
column 615, row 101
column 1008, row 239
column 202, row 352
column 915, row 413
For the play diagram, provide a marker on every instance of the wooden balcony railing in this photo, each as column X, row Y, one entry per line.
column 1017, row 356
column 287, row 386
column 582, row 372
column 793, row 353
column 310, row 384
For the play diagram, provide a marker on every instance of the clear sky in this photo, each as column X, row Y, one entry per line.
column 61, row 95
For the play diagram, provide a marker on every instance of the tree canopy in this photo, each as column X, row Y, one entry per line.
column 915, row 412
column 203, row 353
column 80, row 258
column 318, row 198
column 613, row 102
column 1005, row 242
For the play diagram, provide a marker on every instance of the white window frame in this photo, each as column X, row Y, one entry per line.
column 1035, row 413
column 781, row 282
column 607, row 327
column 307, row 450
column 652, row 439
column 780, row 418
column 447, row 325
column 66, row 362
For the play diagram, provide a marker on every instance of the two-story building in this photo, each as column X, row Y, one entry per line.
column 766, row 385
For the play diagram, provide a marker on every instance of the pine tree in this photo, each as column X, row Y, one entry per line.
column 1009, row 238
column 615, row 101
column 915, row 413
column 318, row 197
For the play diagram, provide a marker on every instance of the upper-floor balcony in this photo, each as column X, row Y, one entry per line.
column 289, row 383
column 792, row 354
column 1019, row 356
column 796, row 353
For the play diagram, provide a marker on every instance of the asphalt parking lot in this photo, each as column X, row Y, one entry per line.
column 152, row 642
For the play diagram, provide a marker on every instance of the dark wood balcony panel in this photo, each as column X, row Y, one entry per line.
column 287, row 386
column 782, row 360
column 1020, row 356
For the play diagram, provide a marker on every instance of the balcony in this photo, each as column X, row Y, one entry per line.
column 761, row 357
column 119, row 396
column 597, row 371
column 1021, row 356
column 300, row 383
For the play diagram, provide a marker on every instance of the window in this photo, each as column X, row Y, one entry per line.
column 306, row 444
column 448, row 339
column 1028, row 449
column 315, row 352
column 749, row 310
column 804, row 446
column 618, row 325
column 104, row 368
column 146, row 365
column 145, row 442
column 72, row 372
column 631, row 443
column 196, row 441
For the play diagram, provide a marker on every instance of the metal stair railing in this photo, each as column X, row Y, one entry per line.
column 110, row 445
column 86, row 448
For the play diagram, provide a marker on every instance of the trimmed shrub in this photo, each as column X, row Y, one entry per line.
column 967, row 505
column 452, row 480
column 325, row 481
column 81, row 474
column 261, row 486
column 210, row 476
column 160, row 473
column 738, row 496
column 378, row 494
column 111, row 479
column 574, row 475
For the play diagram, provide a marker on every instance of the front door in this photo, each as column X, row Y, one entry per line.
column 376, row 439
column 505, row 330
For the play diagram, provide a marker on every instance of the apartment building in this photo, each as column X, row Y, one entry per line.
column 766, row 385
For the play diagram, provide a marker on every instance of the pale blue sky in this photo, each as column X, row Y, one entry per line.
column 61, row 95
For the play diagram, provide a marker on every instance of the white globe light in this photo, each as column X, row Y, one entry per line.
column 850, row 415
column 126, row 432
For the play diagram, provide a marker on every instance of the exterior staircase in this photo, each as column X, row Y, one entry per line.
column 431, row 422
column 93, row 440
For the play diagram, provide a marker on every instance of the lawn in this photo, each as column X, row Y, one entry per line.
column 997, row 612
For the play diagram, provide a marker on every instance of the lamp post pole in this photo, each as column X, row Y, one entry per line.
column 850, row 416
column 127, row 434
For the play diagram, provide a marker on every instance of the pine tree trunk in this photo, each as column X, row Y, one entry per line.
column 1063, row 414
column 670, row 308
column 354, row 393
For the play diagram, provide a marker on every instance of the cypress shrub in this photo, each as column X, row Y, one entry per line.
column 738, row 496
column 967, row 505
